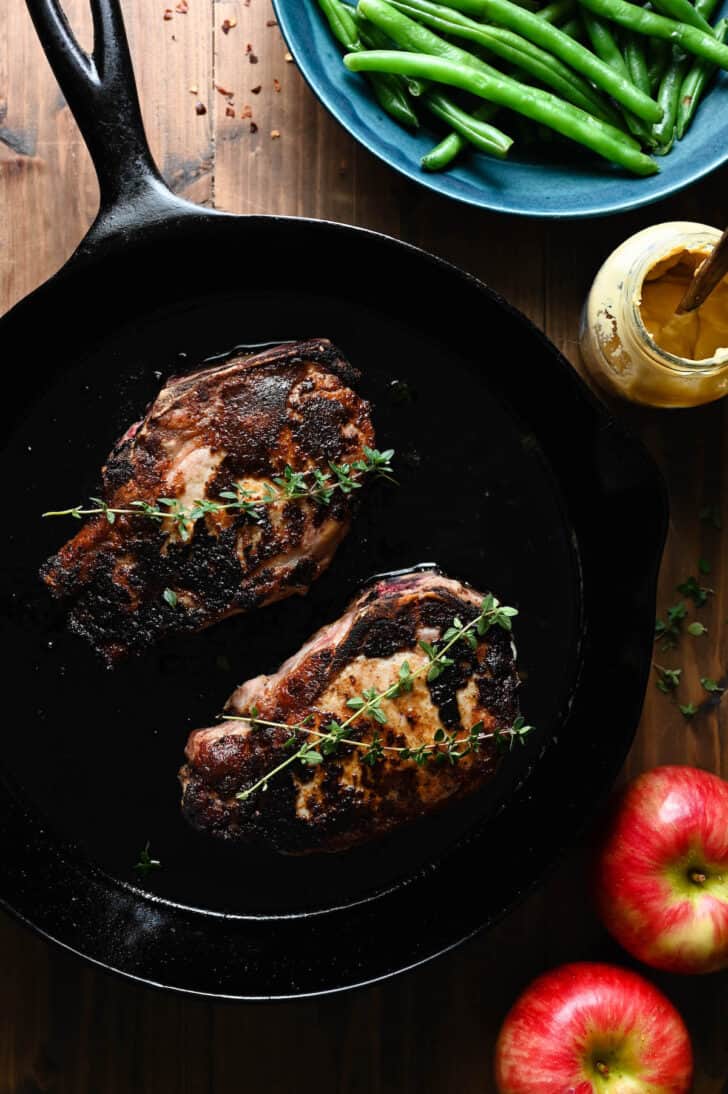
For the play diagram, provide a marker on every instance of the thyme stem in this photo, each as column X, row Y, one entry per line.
column 292, row 485
column 492, row 613
column 364, row 744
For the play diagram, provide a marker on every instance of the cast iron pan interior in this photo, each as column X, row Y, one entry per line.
column 511, row 477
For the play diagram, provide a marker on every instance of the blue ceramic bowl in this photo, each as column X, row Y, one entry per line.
column 530, row 183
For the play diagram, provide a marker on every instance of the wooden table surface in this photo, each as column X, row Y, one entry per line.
column 66, row 1027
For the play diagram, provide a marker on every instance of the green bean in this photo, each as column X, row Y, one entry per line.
column 604, row 43
column 566, row 49
column 694, row 85
column 450, row 147
column 556, row 11
column 373, row 38
column 479, row 133
column 388, row 90
column 573, row 29
column 684, row 12
column 649, row 22
column 605, row 46
column 669, row 97
column 706, row 8
column 659, row 58
column 513, row 48
column 342, row 23
column 540, row 106
column 636, row 58
column 441, row 155
column 392, row 98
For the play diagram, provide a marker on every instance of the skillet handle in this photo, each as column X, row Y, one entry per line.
column 101, row 92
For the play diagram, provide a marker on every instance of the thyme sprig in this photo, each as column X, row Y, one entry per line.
column 445, row 747
column 317, row 484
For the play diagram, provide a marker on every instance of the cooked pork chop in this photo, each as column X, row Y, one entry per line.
column 345, row 801
column 240, row 422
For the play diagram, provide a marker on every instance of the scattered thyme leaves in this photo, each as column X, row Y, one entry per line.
column 688, row 710
column 696, row 629
column 667, row 679
column 703, row 566
column 146, row 863
column 670, row 628
column 171, row 597
column 710, row 685
column 694, row 591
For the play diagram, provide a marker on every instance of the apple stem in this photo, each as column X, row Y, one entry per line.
column 602, row 1068
column 697, row 877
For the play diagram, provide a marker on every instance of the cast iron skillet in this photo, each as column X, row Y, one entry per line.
column 512, row 476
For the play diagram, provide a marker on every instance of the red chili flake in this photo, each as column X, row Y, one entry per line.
column 228, row 24
column 271, row 22
column 276, row 85
column 252, row 58
column 200, row 108
column 256, row 90
column 168, row 14
column 253, row 126
column 246, row 112
column 275, row 134
column 182, row 7
column 248, row 47
column 224, row 91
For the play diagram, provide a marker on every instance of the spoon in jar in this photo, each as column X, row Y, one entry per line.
column 707, row 276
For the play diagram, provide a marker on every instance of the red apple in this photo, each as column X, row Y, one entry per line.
column 661, row 875
column 593, row 1029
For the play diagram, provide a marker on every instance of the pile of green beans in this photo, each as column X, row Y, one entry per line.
column 622, row 79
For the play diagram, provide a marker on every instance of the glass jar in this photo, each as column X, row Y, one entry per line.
column 618, row 350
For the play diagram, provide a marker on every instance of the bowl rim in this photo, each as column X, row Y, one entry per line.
column 436, row 182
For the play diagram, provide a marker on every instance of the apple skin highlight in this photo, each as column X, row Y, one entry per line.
column 661, row 873
column 590, row 1028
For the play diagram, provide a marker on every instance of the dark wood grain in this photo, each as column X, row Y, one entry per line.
column 68, row 1028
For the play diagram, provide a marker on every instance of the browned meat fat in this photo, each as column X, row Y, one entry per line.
column 344, row 801
column 239, row 422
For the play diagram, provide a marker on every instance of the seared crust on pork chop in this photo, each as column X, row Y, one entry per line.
column 240, row 422
column 344, row 801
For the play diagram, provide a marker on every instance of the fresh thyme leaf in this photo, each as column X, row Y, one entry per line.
column 710, row 685
column 171, row 597
column 405, row 679
column 677, row 612
column 312, row 757
column 697, row 593
column 668, row 679
column 146, row 863
column 688, row 710
column 374, row 752
column 696, row 629
column 703, row 565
